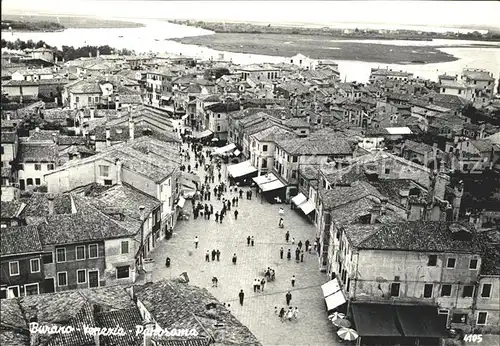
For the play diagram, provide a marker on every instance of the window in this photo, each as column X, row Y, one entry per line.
column 108, row 182
column 50, row 166
column 451, row 263
column 428, row 288
column 459, row 318
column 80, row 252
column 62, row 279
column 387, row 171
column 35, row 265
column 29, row 181
column 395, row 289
column 38, row 167
column 468, row 291
column 77, row 98
column 486, row 291
column 432, row 261
column 97, row 99
column 104, row 171
column 473, row 264
column 48, row 258
column 264, row 147
column 124, row 247
column 294, row 158
column 1, row 149
column 481, row 318
column 37, row 181
column 81, row 276
column 446, row 291
column 14, row 268
column 90, row 99
column 31, row 289
column 264, row 163
column 93, row 250
column 294, row 174
column 218, row 128
column 61, row 255
column 122, row 272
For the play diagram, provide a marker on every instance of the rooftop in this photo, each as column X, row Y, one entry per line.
column 316, row 145
column 19, row 240
column 30, row 152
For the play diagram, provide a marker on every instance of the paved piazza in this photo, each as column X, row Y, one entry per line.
column 259, row 219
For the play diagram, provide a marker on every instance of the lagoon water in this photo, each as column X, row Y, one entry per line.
column 156, row 34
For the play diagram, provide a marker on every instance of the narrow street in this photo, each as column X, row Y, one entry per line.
column 259, row 219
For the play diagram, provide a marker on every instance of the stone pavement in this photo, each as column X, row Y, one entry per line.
column 259, row 219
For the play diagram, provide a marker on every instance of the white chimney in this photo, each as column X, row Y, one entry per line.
column 117, row 102
column 131, row 128
column 119, row 165
column 108, row 137
column 8, row 115
column 92, row 113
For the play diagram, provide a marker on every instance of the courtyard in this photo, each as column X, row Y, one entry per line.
column 259, row 219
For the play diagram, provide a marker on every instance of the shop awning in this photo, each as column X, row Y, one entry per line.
column 335, row 300
column 264, row 179
column 241, row 169
column 427, row 325
column 188, row 184
column 330, row 287
column 202, row 134
column 273, row 185
column 190, row 177
column 224, row 149
column 299, row 199
column 375, row 320
column 307, row 207
column 181, row 202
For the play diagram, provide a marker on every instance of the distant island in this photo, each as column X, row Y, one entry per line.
column 336, row 33
column 57, row 23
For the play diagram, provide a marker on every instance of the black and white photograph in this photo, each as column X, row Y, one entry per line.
column 254, row 173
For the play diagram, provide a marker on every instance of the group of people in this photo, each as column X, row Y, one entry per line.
column 290, row 314
column 215, row 254
column 258, row 285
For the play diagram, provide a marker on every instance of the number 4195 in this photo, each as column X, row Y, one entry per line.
column 476, row 338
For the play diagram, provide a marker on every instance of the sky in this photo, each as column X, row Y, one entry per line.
column 433, row 13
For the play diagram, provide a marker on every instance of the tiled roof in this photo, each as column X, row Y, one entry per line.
column 482, row 145
column 17, row 83
column 8, row 137
column 71, row 140
column 87, row 224
column 416, row 236
column 85, row 87
column 11, row 208
column 20, row 239
column 29, row 152
column 38, row 204
column 340, row 195
column 417, row 147
column 319, row 145
column 127, row 319
column 42, row 135
column 296, row 122
column 271, row 133
column 178, row 305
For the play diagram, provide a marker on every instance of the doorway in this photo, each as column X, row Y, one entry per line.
column 93, row 278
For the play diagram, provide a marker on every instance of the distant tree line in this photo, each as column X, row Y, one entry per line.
column 66, row 52
column 32, row 26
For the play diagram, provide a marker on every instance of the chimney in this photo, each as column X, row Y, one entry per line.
column 50, row 198
column 108, row 137
column 8, row 115
column 119, row 165
column 117, row 102
column 131, row 128
column 375, row 212
column 73, row 205
column 148, row 326
column 92, row 113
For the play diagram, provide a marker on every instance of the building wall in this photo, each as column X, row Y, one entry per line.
column 258, row 155
column 489, row 305
column 29, row 91
column 115, row 258
column 25, row 275
column 29, row 172
column 9, row 153
column 77, row 101
column 218, row 122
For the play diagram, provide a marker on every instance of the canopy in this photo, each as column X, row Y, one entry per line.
column 241, row 169
column 330, row 287
column 264, row 179
column 307, row 207
column 375, row 320
column 224, row 149
column 181, row 202
column 202, row 134
column 335, row 300
column 273, row 185
column 299, row 199
column 187, row 183
column 426, row 325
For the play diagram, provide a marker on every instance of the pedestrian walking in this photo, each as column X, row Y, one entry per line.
column 307, row 244
column 275, row 310
column 215, row 281
column 289, row 314
column 287, row 236
column 281, row 212
column 242, row 297
column 213, row 254
column 221, row 216
column 297, row 255
column 296, row 313
column 289, row 254
column 248, row 240
column 293, row 280
column 293, row 240
column 252, row 241
column 262, row 283
column 282, row 314
column 211, row 208
column 302, row 256
column 281, row 223
column 196, row 241
column 241, row 193
column 288, row 298
column 315, row 246
column 300, row 244
column 255, row 285
column 207, row 256
column 250, row 194
column 216, row 216
column 281, row 253
column 220, row 176
column 236, row 214
column 217, row 254
column 234, row 259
